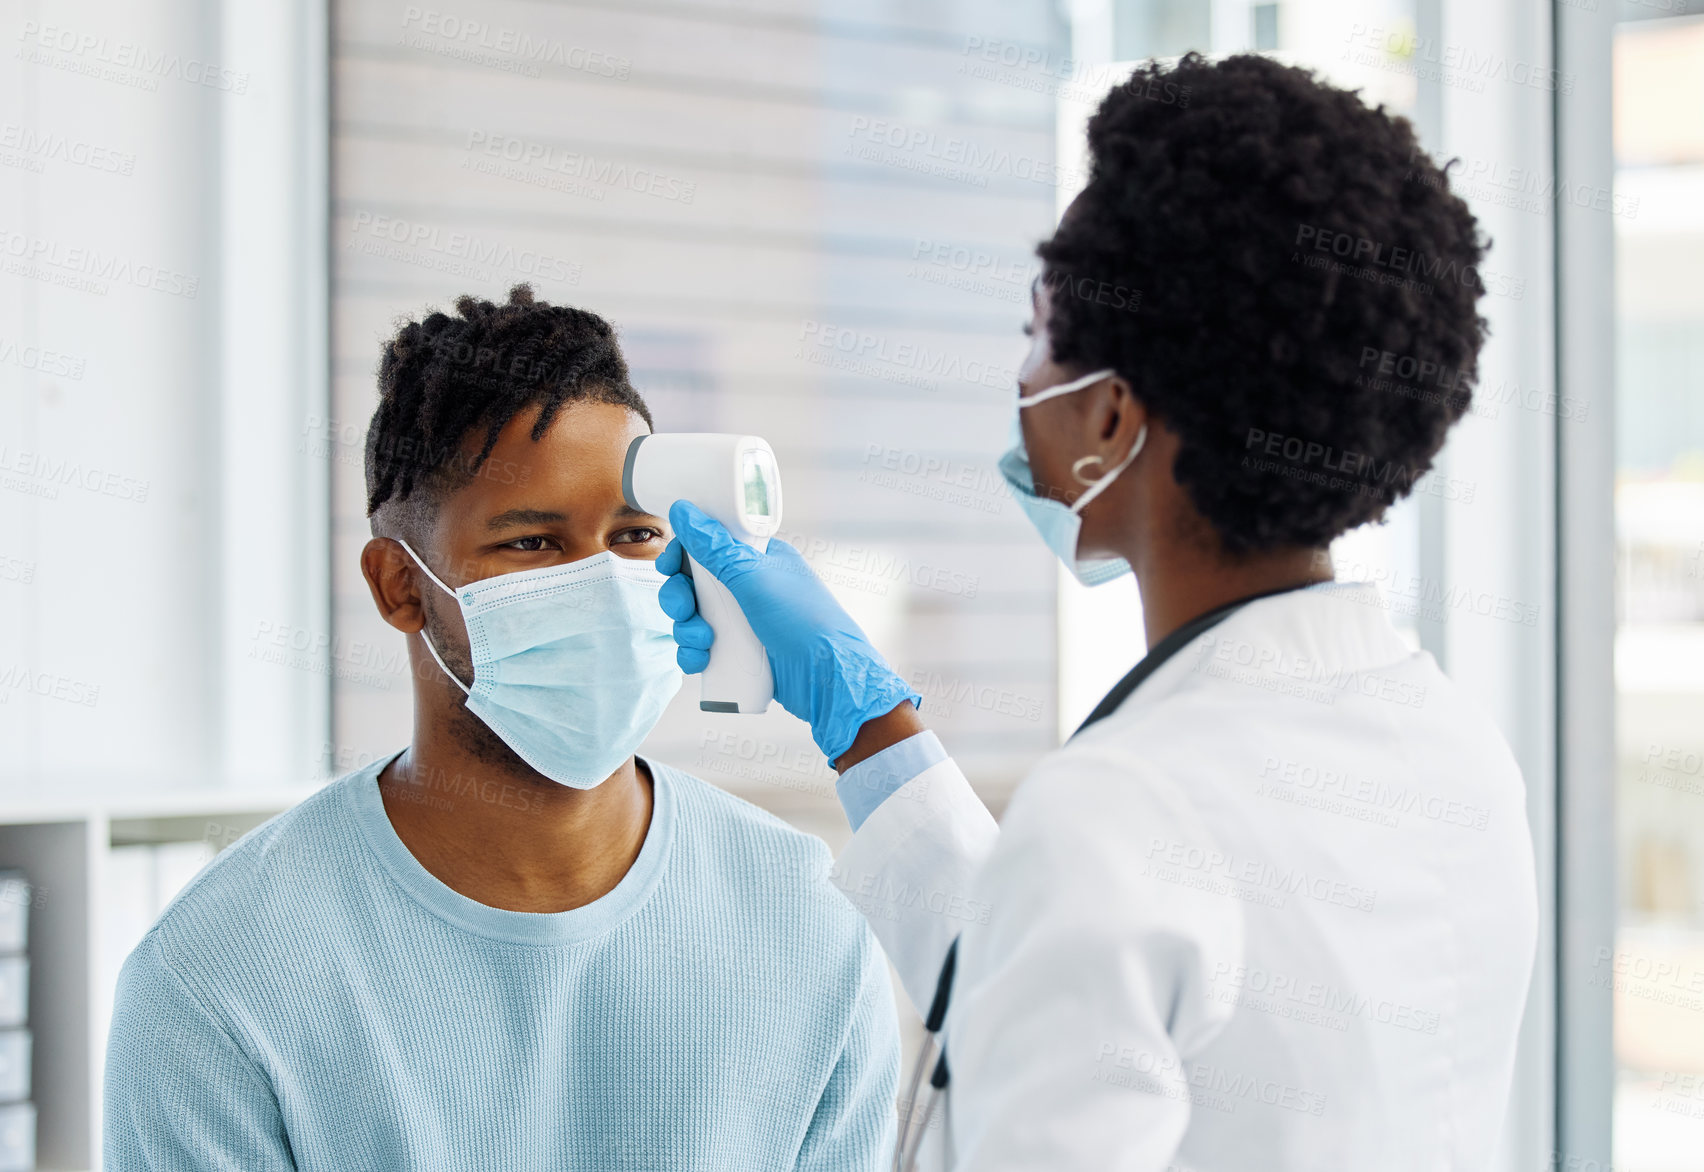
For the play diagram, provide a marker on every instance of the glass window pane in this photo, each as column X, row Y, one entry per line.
column 1657, row 972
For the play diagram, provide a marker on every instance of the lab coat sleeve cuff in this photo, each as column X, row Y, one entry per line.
column 909, row 869
column 870, row 782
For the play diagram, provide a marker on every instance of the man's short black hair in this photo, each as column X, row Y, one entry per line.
column 445, row 377
column 1304, row 287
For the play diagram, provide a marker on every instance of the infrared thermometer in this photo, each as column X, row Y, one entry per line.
column 734, row 479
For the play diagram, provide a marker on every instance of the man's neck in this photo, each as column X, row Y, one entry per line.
column 506, row 836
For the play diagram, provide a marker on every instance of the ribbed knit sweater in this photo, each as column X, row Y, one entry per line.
column 315, row 999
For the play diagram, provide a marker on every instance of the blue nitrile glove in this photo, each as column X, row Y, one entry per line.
column 826, row 672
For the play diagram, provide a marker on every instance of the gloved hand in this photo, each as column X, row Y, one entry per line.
column 826, row 672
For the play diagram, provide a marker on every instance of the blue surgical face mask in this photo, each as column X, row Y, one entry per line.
column 1060, row 525
column 572, row 664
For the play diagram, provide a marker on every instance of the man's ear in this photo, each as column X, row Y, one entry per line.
column 394, row 580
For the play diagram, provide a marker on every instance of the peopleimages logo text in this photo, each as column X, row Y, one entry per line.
column 1360, row 250
column 80, row 266
column 463, row 246
column 523, row 47
column 149, row 64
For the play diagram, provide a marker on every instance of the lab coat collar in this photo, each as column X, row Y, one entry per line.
column 1332, row 626
column 1167, row 647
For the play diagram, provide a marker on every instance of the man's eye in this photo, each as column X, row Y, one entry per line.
column 528, row 544
column 637, row 536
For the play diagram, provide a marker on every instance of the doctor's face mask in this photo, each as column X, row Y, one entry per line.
column 1060, row 525
column 573, row 664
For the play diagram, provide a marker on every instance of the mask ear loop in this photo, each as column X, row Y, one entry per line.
column 439, row 660
column 1075, row 384
column 1099, row 486
column 424, row 637
column 424, row 569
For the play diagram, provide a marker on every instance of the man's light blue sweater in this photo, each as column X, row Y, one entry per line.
column 317, row 1000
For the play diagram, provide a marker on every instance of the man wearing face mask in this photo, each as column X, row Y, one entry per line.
column 513, row 944
column 1273, row 905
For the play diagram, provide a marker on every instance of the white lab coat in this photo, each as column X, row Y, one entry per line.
column 1277, row 911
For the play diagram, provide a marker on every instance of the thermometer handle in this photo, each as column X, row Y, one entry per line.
column 738, row 678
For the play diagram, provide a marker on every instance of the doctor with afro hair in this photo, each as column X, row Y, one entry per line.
column 1273, row 904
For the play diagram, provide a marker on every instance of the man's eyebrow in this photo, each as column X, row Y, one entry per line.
column 512, row 517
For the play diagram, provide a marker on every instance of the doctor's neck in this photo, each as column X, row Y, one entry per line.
column 1180, row 579
column 1187, row 580
column 1184, row 568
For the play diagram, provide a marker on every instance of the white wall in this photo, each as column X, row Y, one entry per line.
column 154, row 232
